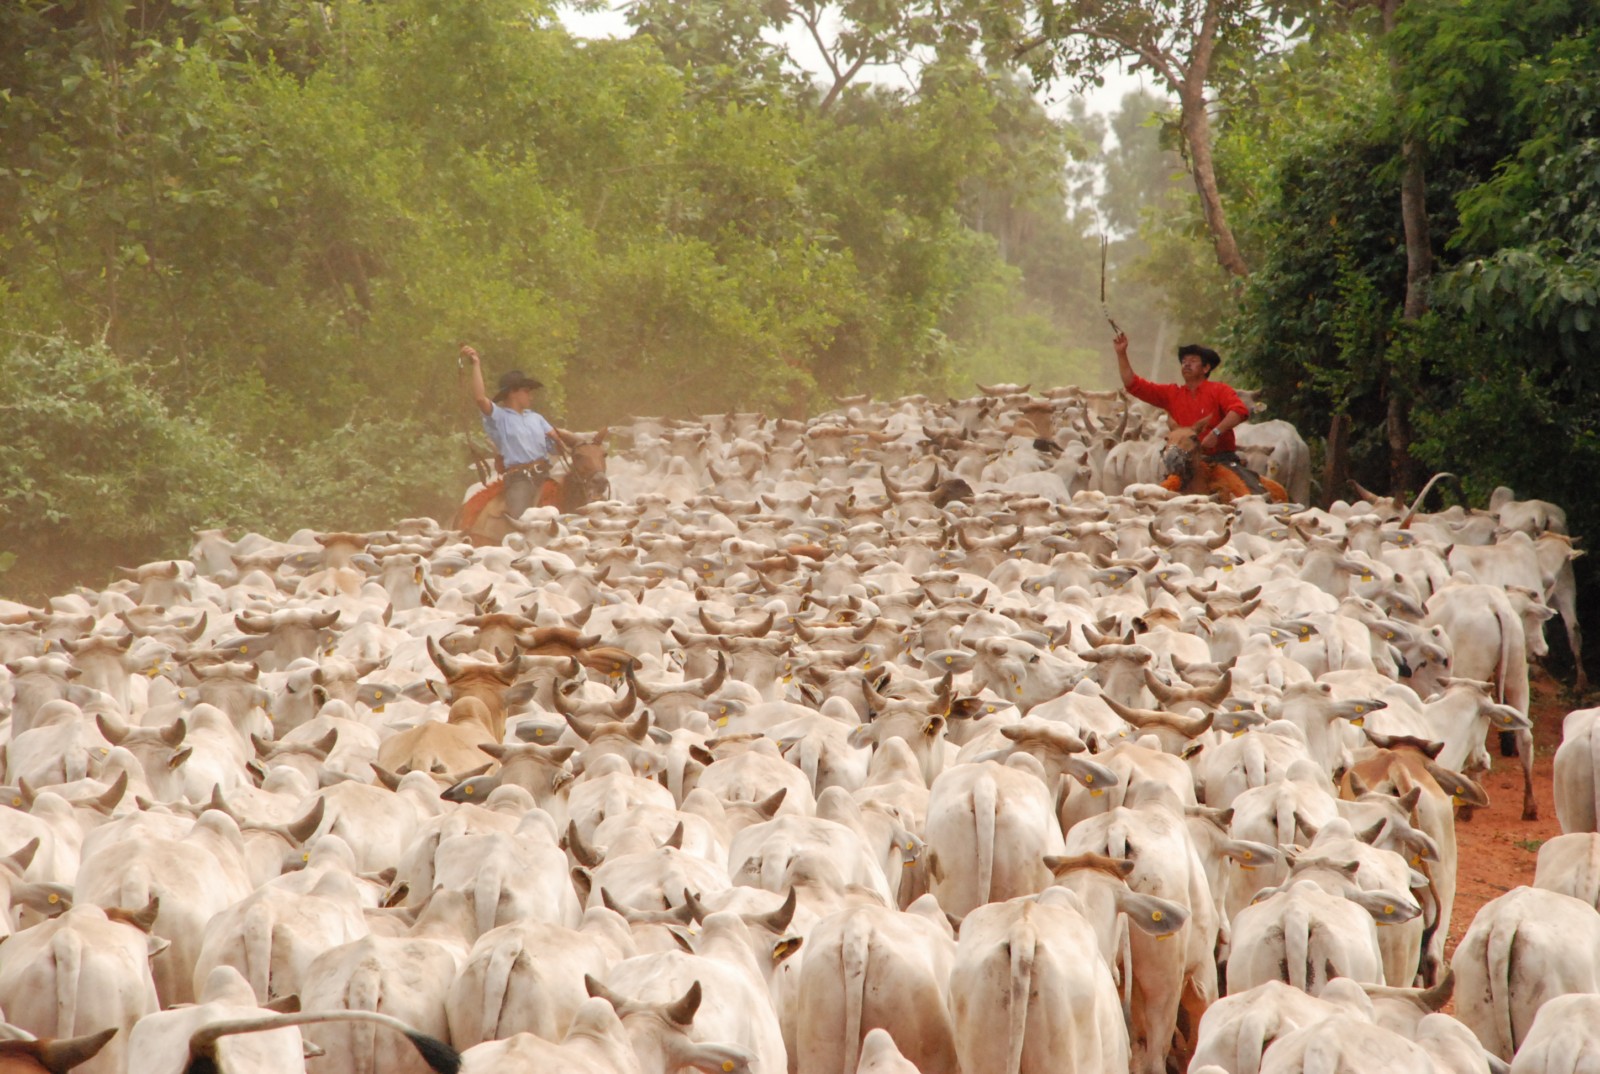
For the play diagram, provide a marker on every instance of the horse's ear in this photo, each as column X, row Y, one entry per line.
column 600, row 437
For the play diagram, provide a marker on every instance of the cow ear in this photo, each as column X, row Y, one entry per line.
column 1157, row 917
column 1462, row 791
column 784, row 948
column 862, row 736
column 1385, row 907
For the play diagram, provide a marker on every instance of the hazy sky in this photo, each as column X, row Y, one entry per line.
column 612, row 24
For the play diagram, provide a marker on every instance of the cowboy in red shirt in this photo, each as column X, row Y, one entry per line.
column 1211, row 407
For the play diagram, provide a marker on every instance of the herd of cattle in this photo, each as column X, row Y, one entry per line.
column 918, row 736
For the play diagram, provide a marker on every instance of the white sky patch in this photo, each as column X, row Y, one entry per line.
column 1104, row 100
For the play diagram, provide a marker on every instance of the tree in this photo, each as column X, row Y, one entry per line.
column 1187, row 46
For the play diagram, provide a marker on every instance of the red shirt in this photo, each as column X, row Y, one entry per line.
column 1209, row 399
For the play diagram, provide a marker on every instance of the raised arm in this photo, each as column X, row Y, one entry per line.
column 475, row 381
column 1120, row 345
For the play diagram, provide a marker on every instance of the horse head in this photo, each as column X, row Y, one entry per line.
column 1183, row 447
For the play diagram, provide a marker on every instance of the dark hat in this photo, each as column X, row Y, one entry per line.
column 511, row 381
column 1208, row 357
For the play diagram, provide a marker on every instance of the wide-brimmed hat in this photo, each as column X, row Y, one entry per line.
column 511, row 381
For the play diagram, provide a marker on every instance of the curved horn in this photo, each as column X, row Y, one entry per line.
column 60, row 1056
column 1405, row 520
column 442, row 660
column 682, row 1012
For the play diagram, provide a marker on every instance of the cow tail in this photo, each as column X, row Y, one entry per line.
column 1255, row 764
column 256, row 935
column 486, row 895
column 854, row 950
column 985, row 805
column 1502, row 670
column 66, row 947
column 1288, row 825
column 496, row 984
column 1022, row 946
column 1297, row 947
column 1498, row 952
column 364, row 993
column 1593, row 731
column 1260, row 1024
column 810, row 759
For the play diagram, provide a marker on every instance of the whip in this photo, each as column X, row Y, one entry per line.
column 1106, row 310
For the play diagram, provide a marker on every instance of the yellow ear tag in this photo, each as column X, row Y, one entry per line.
column 467, row 790
column 1359, row 721
column 244, row 649
column 54, row 898
column 949, row 660
column 990, row 708
column 1416, row 859
column 1155, row 915
column 306, row 856
column 727, row 1065
column 17, row 802
column 380, row 708
column 722, row 721
column 1249, row 855
column 1227, row 567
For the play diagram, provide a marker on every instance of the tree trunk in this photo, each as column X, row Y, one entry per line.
column 1196, row 127
column 1419, row 267
column 1336, row 463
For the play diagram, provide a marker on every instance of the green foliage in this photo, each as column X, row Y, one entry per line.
column 93, row 461
column 280, row 219
column 1505, row 97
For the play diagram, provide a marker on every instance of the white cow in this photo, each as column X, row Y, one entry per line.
column 1521, row 951
column 989, row 827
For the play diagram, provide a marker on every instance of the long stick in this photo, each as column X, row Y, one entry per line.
column 1104, row 244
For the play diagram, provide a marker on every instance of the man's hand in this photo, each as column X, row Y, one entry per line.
column 1120, row 344
column 468, row 354
column 1212, row 437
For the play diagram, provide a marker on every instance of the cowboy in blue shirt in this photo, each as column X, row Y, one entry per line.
column 521, row 435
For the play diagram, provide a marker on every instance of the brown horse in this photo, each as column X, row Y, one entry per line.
column 584, row 480
column 482, row 516
column 1185, row 469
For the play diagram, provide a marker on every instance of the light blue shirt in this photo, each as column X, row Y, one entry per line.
column 520, row 438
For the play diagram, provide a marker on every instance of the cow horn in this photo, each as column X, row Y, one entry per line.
column 1405, row 520
column 443, row 661
column 22, row 856
column 713, row 682
column 60, row 1056
column 639, row 729
column 112, row 729
column 304, row 828
column 144, row 920
column 252, row 625
column 768, row 806
column 777, row 920
column 682, row 1012
column 108, row 801
column 586, row 855
column 1365, row 494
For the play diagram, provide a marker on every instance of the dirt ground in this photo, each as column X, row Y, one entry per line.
column 1497, row 848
